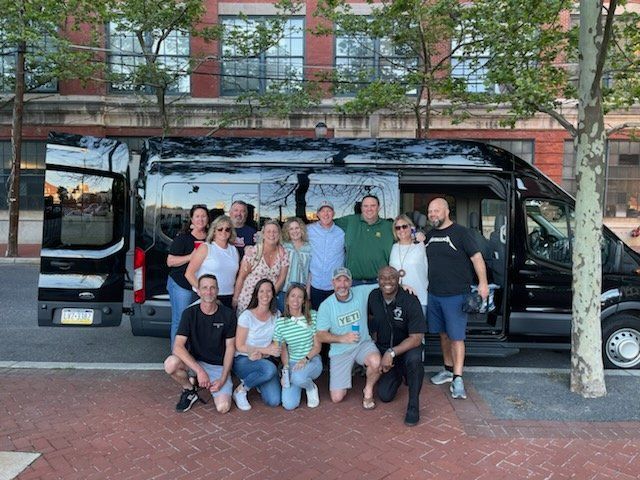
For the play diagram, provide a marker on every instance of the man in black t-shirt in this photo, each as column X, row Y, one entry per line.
column 397, row 325
column 453, row 258
column 204, row 346
column 239, row 213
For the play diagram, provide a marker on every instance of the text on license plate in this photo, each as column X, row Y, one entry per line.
column 76, row 316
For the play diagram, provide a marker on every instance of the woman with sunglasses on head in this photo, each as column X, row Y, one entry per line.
column 295, row 332
column 255, row 350
column 180, row 253
column 220, row 257
column 266, row 259
column 296, row 243
column 410, row 258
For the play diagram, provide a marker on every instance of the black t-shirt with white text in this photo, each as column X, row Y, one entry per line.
column 448, row 252
column 404, row 313
column 206, row 334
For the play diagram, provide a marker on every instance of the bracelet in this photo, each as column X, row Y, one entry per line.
column 307, row 358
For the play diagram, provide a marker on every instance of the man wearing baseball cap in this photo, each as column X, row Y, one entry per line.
column 327, row 253
column 342, row 322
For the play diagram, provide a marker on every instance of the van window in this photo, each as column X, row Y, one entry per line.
column 79, row 209
column 178, row 198
column 550, row 227
column 285, row 200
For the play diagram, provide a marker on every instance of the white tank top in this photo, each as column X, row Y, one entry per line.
column 223, row 263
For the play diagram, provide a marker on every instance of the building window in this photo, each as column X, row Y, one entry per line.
column 471, row 69
column 280, row 67
column 361, row 59
column 126, row 61
column 520, row 148
column 36, row 77
column 31, row 174
column 622, row 186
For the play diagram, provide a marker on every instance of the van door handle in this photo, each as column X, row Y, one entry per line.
column 61, row 265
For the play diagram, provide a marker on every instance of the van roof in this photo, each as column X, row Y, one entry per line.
column 405, row 153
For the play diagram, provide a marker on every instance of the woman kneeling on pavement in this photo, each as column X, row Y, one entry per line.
column 296, row 333
column 254, row 363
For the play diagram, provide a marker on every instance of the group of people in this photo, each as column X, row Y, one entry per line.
column 361, row 284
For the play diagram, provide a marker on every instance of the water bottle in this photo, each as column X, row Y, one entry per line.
column 286, row 382
column 355, row 328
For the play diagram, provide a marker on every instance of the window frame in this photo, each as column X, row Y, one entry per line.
column 263, row 64
column 130, row 36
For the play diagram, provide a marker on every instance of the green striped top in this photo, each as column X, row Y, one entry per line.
column 297, row 334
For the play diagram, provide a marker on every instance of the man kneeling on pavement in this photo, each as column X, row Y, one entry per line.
column 397, row 325
column 204, row 347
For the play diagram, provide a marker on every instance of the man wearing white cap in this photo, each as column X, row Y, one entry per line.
column 327, row 253
column 342, row 321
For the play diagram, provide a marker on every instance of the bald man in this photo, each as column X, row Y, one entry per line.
column 453, row 257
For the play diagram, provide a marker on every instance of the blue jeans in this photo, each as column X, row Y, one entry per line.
column 300, row 379
column 259, row 373
column 180, row 299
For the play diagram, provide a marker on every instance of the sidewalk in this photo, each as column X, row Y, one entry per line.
column 116, row 424
column 27, row 253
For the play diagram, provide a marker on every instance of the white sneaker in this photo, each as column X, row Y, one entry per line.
column 313, row 397
column 240, row 397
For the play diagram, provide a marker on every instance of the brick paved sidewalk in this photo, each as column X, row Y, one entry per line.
column 105, row 424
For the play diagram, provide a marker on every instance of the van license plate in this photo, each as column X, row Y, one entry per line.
column 76, row 316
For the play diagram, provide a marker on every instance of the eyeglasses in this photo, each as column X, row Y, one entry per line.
column 223, row 229
column 401, row 227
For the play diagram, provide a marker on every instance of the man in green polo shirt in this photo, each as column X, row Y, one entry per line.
column 368, row 240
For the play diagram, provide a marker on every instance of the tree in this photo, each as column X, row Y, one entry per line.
column 150, row 40
column 532, row 60
column 399, row 56
column 36, row 31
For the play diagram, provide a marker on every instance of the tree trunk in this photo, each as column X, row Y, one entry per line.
column 16, row 154
column 587, row 374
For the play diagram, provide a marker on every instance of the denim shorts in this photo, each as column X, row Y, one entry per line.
column 214, row 372
column 444, row 314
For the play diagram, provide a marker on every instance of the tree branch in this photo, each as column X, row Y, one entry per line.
column 622, row 126
column 558, row 117
column 606, row 39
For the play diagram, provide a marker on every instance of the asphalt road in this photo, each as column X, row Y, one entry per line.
column 23, row 340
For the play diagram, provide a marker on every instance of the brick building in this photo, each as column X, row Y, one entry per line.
column 107, row 109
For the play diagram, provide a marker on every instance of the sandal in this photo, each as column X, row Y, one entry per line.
column 368, row 403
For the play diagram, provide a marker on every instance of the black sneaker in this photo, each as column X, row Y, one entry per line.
column 187, row 399
column 412, row 417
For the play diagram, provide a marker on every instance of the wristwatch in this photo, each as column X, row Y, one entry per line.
column 391, row 352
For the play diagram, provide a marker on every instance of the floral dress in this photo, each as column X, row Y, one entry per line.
column 259, row 271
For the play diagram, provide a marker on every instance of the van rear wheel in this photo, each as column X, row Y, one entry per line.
column 621, row 342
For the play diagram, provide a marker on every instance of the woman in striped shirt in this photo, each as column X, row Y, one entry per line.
column 296, row 334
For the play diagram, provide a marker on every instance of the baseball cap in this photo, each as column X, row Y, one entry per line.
column 342, row 272
column 325, row 203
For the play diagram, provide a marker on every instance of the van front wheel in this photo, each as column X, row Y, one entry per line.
column 621, row 341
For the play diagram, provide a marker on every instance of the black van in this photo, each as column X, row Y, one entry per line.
column 523, row 223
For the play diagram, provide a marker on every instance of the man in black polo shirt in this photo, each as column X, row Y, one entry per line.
column 204, row 346
column 397, row 325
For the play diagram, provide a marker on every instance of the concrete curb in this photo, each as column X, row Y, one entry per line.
column 160, row 366
column 19, row 260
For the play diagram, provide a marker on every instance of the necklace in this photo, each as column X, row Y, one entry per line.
column 402, row 258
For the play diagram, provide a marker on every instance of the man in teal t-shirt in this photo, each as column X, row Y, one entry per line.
column 368, row 240
column 342, row 321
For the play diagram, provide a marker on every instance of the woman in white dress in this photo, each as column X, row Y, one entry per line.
column 410, row 258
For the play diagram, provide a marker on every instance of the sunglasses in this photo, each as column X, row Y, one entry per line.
column 223, row 229
column 401, row 227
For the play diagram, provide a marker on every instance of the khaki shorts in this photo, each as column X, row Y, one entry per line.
column 340, row 366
